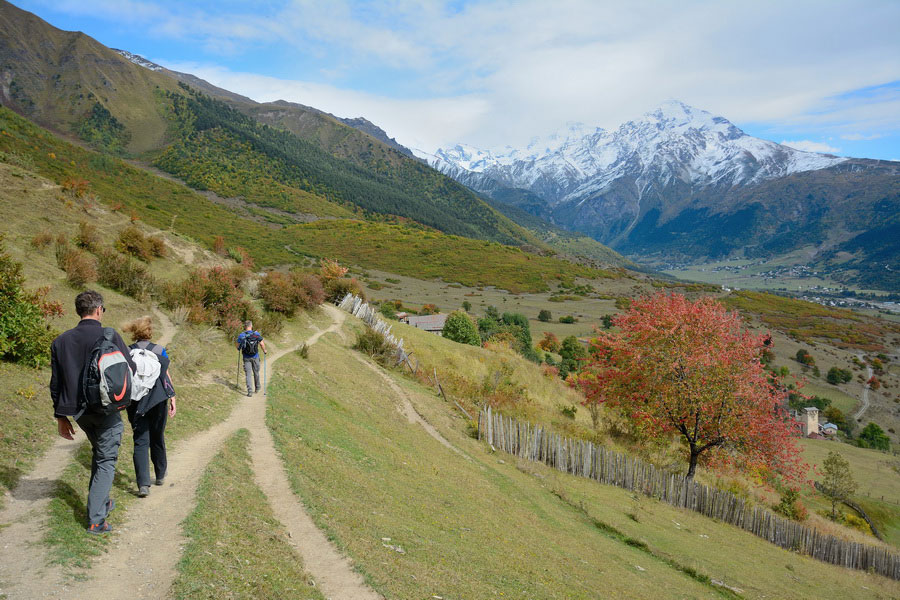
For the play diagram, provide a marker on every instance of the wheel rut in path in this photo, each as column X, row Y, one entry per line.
column 22, row 520
column 142, row 557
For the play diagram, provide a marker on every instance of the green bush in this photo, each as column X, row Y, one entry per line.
column 567, row 319
column 873, row 436
column 388, row 310
column 837, row 375
column 544, row 316
column 459, row 327
column 790, row 505
column 374, row 344
column 25, row 335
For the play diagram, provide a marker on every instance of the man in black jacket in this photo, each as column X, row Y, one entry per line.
column 69, row 355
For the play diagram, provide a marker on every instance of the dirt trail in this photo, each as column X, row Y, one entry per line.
column 22, row 520
column 865, row 395
column 406, row 407
column 166, row 328
column 332, row 572
column 151, row 540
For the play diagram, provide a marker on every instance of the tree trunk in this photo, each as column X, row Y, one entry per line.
column 692, row 466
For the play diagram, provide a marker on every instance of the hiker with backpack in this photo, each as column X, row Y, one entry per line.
column 153, row 402
column 90, row 381
column 249, row 342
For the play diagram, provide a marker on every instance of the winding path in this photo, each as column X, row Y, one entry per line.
column 865, row 394
column 151, row 540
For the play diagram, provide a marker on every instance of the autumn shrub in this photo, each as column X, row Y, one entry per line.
column 41, row 240
column 278, row 293
column 87, row 237
column 132, row 241
column 286, row 293
column 313, row 287
column 331, row 270
column 25, row 334
column 124, row 274
column 336, row 289
column 157, row 246
column 549, row 343
column 80, row 267
column 76, row 186
column 429, row 309
column 212, row 296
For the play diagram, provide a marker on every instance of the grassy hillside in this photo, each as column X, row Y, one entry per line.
column 219, row 148
column 420, row 519
column 807, row 321
column 71, row 82
column 168, row 205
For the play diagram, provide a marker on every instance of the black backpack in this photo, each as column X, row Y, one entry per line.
column 250, row 345
column 106, row 379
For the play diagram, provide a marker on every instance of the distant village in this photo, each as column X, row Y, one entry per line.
column 838, row 297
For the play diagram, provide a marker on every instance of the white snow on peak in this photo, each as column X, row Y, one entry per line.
column 138, row 60
column 672, row 142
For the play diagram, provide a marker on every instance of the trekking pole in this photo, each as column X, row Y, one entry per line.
column 237, row 375
column 265, row 387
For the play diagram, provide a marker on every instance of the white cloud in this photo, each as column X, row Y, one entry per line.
column 858, row 137
column 810, row 146
column 498, row 72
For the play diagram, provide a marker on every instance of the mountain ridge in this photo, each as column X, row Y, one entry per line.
column 682, row 184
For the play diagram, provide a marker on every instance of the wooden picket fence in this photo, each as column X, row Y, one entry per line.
column 355, row 305
column 585, row 459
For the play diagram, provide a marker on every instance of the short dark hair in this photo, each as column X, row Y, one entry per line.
column 87, row 302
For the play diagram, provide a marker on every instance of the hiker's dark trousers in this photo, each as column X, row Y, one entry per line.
column 105, row 435
column 252, row 364
column 150, row 432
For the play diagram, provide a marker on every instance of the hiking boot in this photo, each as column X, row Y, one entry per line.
column 160, row 480
column 99, row 528
column 249, row 393
column 110, row 505
column 143, row 491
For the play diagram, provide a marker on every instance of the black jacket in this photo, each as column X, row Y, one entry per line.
column 162, row 390
column 68, row 355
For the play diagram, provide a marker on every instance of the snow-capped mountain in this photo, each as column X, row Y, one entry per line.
column 675, row 142
column 604, row 182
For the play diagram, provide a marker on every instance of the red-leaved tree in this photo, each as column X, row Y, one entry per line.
column 691, row 369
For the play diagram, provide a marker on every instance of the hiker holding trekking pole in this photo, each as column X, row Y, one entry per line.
column 249, row 342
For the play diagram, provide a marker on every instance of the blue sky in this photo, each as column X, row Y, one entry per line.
column 820, row 75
